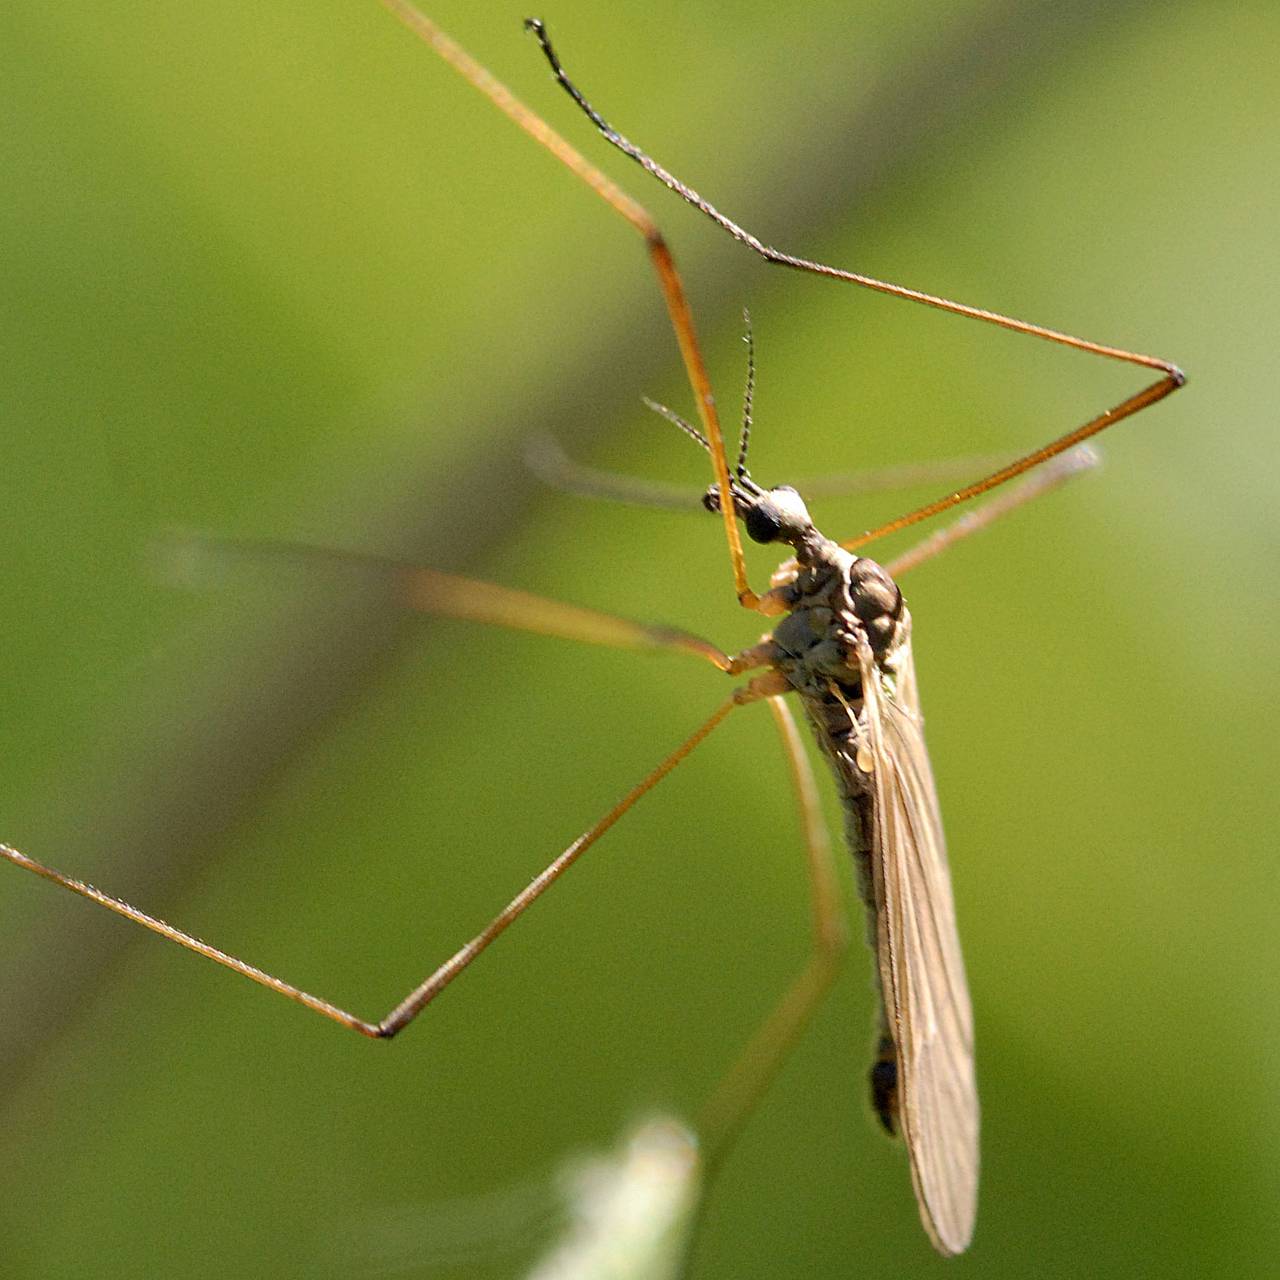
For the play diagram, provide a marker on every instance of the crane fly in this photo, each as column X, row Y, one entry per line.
column 841, row 643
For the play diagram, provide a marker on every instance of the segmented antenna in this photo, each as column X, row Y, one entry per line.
column 746, row 396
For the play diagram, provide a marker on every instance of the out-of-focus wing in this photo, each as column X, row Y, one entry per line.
column 921, row 968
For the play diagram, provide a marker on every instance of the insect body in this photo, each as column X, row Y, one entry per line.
column 844, row 646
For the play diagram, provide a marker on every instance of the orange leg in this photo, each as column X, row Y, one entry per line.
column 1171, row 377
column 1056, row 473
column 659, row 254
column 441, row 977
column 448, row 594
column 763, row 1056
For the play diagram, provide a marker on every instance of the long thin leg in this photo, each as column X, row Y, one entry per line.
column 440, row 978
column 450, row 595
column 554, row 467
column 1058, row 472
column 1148, row 396
column 1170, row 380
column 659, row 255
column 545, row 457
column 765, row 1053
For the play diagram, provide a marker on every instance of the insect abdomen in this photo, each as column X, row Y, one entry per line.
column 856, row 797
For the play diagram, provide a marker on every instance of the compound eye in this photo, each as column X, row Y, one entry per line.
column 763, row 522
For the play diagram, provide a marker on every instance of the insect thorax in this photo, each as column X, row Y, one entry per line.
column 835, row 598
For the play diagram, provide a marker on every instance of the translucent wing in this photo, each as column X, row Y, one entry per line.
column 918, row 951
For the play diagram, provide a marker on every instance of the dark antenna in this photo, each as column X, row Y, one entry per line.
column 746, row 397
column 744, row 484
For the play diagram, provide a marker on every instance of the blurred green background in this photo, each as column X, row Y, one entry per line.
column 275, row 272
